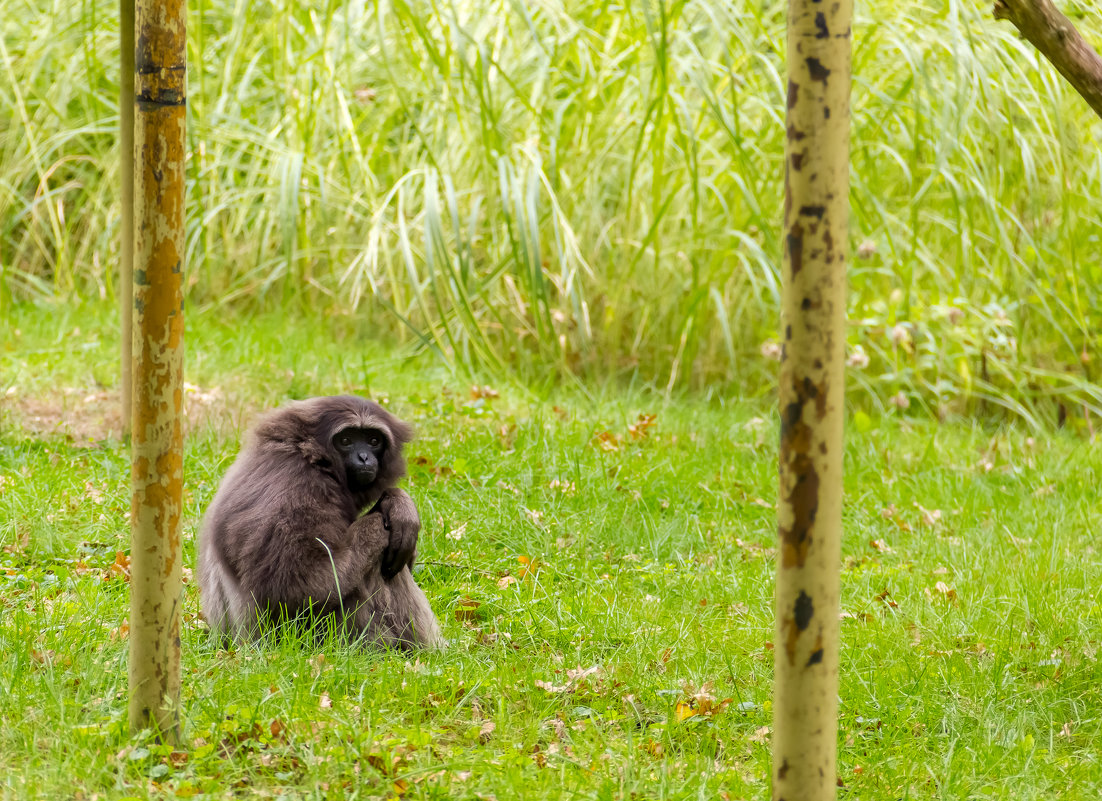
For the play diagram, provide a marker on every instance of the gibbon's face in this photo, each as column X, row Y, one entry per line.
column 360, row 450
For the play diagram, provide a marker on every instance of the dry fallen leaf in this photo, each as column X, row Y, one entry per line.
column 641, row 428
column 467, row 609
column 683, row 711
column 325, row 702
column 930, row 517
column 93, row 493
column 699, row 703
column 885, row 597
column 119, row 634
column 528, row 567
column 20, row 544
column 487, row 392
column 119, row 569
column 538, row 755
column 486, row 732
column 943, row 591
column 760, row 735
column 575, row 677
column 579, row 673
column 44, row 657
column 607, row 441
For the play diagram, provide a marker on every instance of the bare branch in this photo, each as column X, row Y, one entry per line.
column 1040, row 22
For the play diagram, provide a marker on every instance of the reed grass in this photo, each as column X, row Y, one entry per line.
column 585, row 189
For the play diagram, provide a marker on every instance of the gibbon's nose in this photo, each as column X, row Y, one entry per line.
column 364, row 457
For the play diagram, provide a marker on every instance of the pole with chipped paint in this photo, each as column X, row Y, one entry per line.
column 126, row 216
column 809, row 508
column 157, row 439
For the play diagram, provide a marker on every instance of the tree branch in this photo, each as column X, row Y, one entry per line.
column 1056, row 38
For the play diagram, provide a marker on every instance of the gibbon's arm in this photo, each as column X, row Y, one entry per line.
column 307, row 558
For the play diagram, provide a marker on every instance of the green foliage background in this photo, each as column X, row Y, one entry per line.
column 585, row 188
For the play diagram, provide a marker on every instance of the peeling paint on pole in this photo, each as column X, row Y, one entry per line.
column 126, row 222
column 809, row 510
column 157, row 438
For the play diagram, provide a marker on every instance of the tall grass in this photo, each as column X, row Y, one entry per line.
column 585, row 187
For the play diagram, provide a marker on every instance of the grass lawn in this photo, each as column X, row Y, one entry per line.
column 605, row 579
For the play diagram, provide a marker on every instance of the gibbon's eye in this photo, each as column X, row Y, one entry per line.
column 344, row 441
column 374, row 440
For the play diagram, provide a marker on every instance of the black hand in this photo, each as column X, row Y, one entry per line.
column 399, row 553
column 401, row 520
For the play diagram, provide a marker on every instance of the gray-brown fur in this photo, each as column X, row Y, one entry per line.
column 284, row 536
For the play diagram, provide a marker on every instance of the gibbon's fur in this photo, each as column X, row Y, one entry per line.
column 284, row 538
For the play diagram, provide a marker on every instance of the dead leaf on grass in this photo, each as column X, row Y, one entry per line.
column 944, row 592
column 467, row 609
column 22, row 541
column 119, row 634
column 929, row 517
column 890, row 512
column 606, row 441
column 885, row 597
column 699, row 703
column 93, row 493
column 565, row 487
column 760, row 735
column 484, row 392
column 119, row 569
column 576, row 677
column 642, row 426
column 529, row 567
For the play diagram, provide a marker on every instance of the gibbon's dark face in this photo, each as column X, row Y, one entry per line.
column 360, row 450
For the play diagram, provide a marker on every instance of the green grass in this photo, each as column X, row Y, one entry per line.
column 589, row 189
column 654, row 566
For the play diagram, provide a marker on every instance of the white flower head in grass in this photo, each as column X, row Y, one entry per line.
column 866, row 250
column 858, row 358
column 900, row 401
column 771, row 350
column 899, row 334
